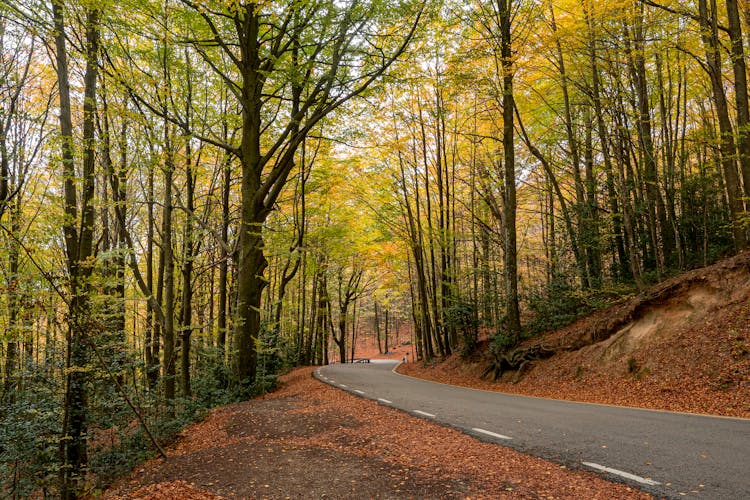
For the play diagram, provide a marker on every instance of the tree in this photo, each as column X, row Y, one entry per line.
column 497, row 23
column 78, row 229
column 270, row 57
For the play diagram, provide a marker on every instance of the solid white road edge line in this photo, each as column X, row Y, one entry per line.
column 385, row 401
column 424, row 413
column 490, row 433
column 626, row 475
column 358, row 391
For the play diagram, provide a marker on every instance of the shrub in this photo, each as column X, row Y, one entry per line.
column 559, row 304
column 463, row 317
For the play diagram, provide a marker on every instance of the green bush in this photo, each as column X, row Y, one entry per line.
column 29, row 444
column 559, row 304
column 463, row 317
column 503, row 342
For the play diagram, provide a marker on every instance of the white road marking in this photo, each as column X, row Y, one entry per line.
column 490, row 433
column 385, row 401
column 424, row 413
column 358, row 391
column 626, row 475
column 332, row 381
column 342, row 385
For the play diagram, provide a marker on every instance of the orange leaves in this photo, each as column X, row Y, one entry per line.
column 309, row 439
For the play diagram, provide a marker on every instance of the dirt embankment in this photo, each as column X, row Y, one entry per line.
column 682, row 345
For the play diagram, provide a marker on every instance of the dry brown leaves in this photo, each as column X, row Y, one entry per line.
column 168, row 491
column 385, row 453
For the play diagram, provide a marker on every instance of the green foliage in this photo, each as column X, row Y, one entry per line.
column 502, row 342
column 463, row 317
column 558, row 305
column 29, row 436
column 270, row 347
column 633, row 365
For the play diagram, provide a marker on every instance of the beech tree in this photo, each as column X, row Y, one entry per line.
column 288, row 65
column 78, row 229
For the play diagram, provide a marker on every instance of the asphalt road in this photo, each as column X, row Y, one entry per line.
column 665, row 453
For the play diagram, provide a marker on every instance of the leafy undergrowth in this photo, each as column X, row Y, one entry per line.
column 683, row 346
column 310, row 440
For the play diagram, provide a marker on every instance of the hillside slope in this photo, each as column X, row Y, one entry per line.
column 682, row 345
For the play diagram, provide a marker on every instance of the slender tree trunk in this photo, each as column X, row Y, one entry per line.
column 186, row 309
column 662, row 239
column 222, row 312
column 151, row 346
column 10, row 383
column 385, row 330
column 739, row 67
column 616, row 215
column 513, row 313
column 575, row 159
column 431, row 274
column 169, row 299
column 377, row 326
column 710, row 37
column 79, row 246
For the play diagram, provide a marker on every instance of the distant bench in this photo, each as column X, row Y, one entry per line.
column 361, row 360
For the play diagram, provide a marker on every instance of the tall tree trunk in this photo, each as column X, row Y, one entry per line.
column 621, row 260
column 710, row 37
column 739, row 67
column 251, row 261
column 10, row 383
column 509, row 172
column 189, row 246
column 591, row 233
column 575, row 159
column 222, row 312
column 431, row 273
column 662, row 238
column 151, row 346
column 186, row 308
column 376, row 320
column 167, row 251
column 385, row 329
column 79, row 246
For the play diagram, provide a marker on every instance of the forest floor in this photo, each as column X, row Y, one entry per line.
column 683, row 345
column 309, row 440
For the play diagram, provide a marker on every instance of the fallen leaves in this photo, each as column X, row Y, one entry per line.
column 309, row 440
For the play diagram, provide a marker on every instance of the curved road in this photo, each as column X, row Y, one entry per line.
column 665, row 453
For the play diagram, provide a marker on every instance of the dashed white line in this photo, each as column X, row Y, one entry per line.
column 490, row 433
column 385, row 401
column 424, row 413
column 626, row 475
column 358, row 391
column 342, row 385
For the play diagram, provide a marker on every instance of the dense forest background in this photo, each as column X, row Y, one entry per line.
column 196, row 195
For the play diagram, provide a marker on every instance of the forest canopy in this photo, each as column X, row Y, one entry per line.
column 196, row 195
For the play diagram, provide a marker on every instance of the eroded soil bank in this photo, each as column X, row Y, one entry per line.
column 683, row 345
